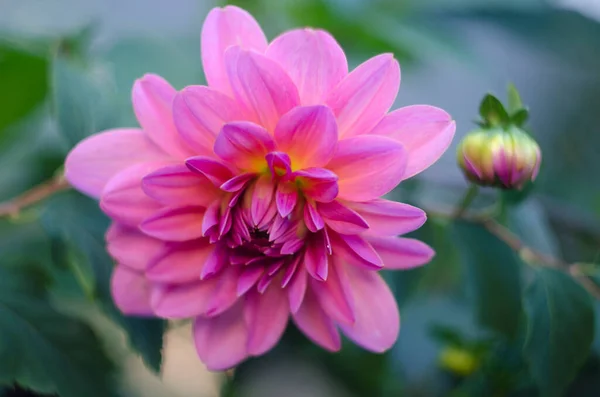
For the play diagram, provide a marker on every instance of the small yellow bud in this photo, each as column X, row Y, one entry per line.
column 501, row 158
column 459, row 361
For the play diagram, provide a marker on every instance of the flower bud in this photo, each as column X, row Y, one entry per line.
column 458, row 361
column 501, row 158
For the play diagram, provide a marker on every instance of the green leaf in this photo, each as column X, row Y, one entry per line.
column 45, row 350
column 81, row 100
column 78, row 221
column 514, row 100
column 493, row 274
column 24, row 82
column 560, row 329
column 492, row 111
column 520, row 117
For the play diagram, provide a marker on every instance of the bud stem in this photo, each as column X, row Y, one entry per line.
column 467, row 200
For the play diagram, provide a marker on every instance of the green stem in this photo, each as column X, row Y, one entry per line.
column 467, row 200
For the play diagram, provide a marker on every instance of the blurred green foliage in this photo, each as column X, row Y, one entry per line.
column 528, row 329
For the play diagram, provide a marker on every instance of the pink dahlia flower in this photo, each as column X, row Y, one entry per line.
column 256, row 199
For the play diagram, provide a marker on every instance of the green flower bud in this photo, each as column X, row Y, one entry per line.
column 501, row 158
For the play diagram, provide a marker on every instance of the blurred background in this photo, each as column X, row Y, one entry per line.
column 66, row 71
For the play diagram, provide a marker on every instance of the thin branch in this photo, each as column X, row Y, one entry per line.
column 527, row 253
column 36, row 194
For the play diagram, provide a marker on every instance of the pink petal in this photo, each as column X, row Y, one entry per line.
column 400, row 253
column 333, row 295
column 212, row 217
column 425, row 131
column 238, row 182
column 261, row 85
column 262, row 196
column 314, row 323
column 216, row 172
column 377, row 319
column 249, row 278
column 319, row 184
column 341, row 218
column 312, row 219
column 216, row 260
column 130, row 291
column 286, row 198
column 308, row 134
column 279, row 164
column 182, row 300
column 175, row 224
column 365, row 95
column 177, row 185
column 356, row 250
column 316, row 260
column 179, row 262
column 95, row 160
column 296, row 289
column 123, row 198
column 225, row 294
column 389, row 218
column 266, row 316
column 131, row 248
column 152, row 98
column 313, row 59
column 244, row 145
column 199, row 113
column 225, row 27
column 221, row 341
column 368, row 167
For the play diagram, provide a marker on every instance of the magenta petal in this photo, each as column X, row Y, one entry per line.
column 179, row 262
column 215, row 261
column 221, row 341
column 313, row 59
column 312, row 219
column 212, row 217
column 341, row 218
column 286, row 198
column 262, row 196
column 424, row 131
column 377, row 319
column 244, row 145
column 95, row 160
column 216, row 172
column 182, row 300
column 279, row 163
column 368, row 166
column 296, row 289
column 261, row 85
column 400, row 253
column 200, row 113
column 316, row 260
column 333, row 295
column 225, row 27
column 319, row 184
column 308, row 134
column 225, row 294
column 249, row 278
column 123, row 198
column 152, row 98
column 314, row 323
column 356, row 250
column 175, row 224
column 238, row 182
column 130, row 291
column 266, row 316
column 365, row 95
column 177, row 185
column 119, row 242
column 389, row 218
